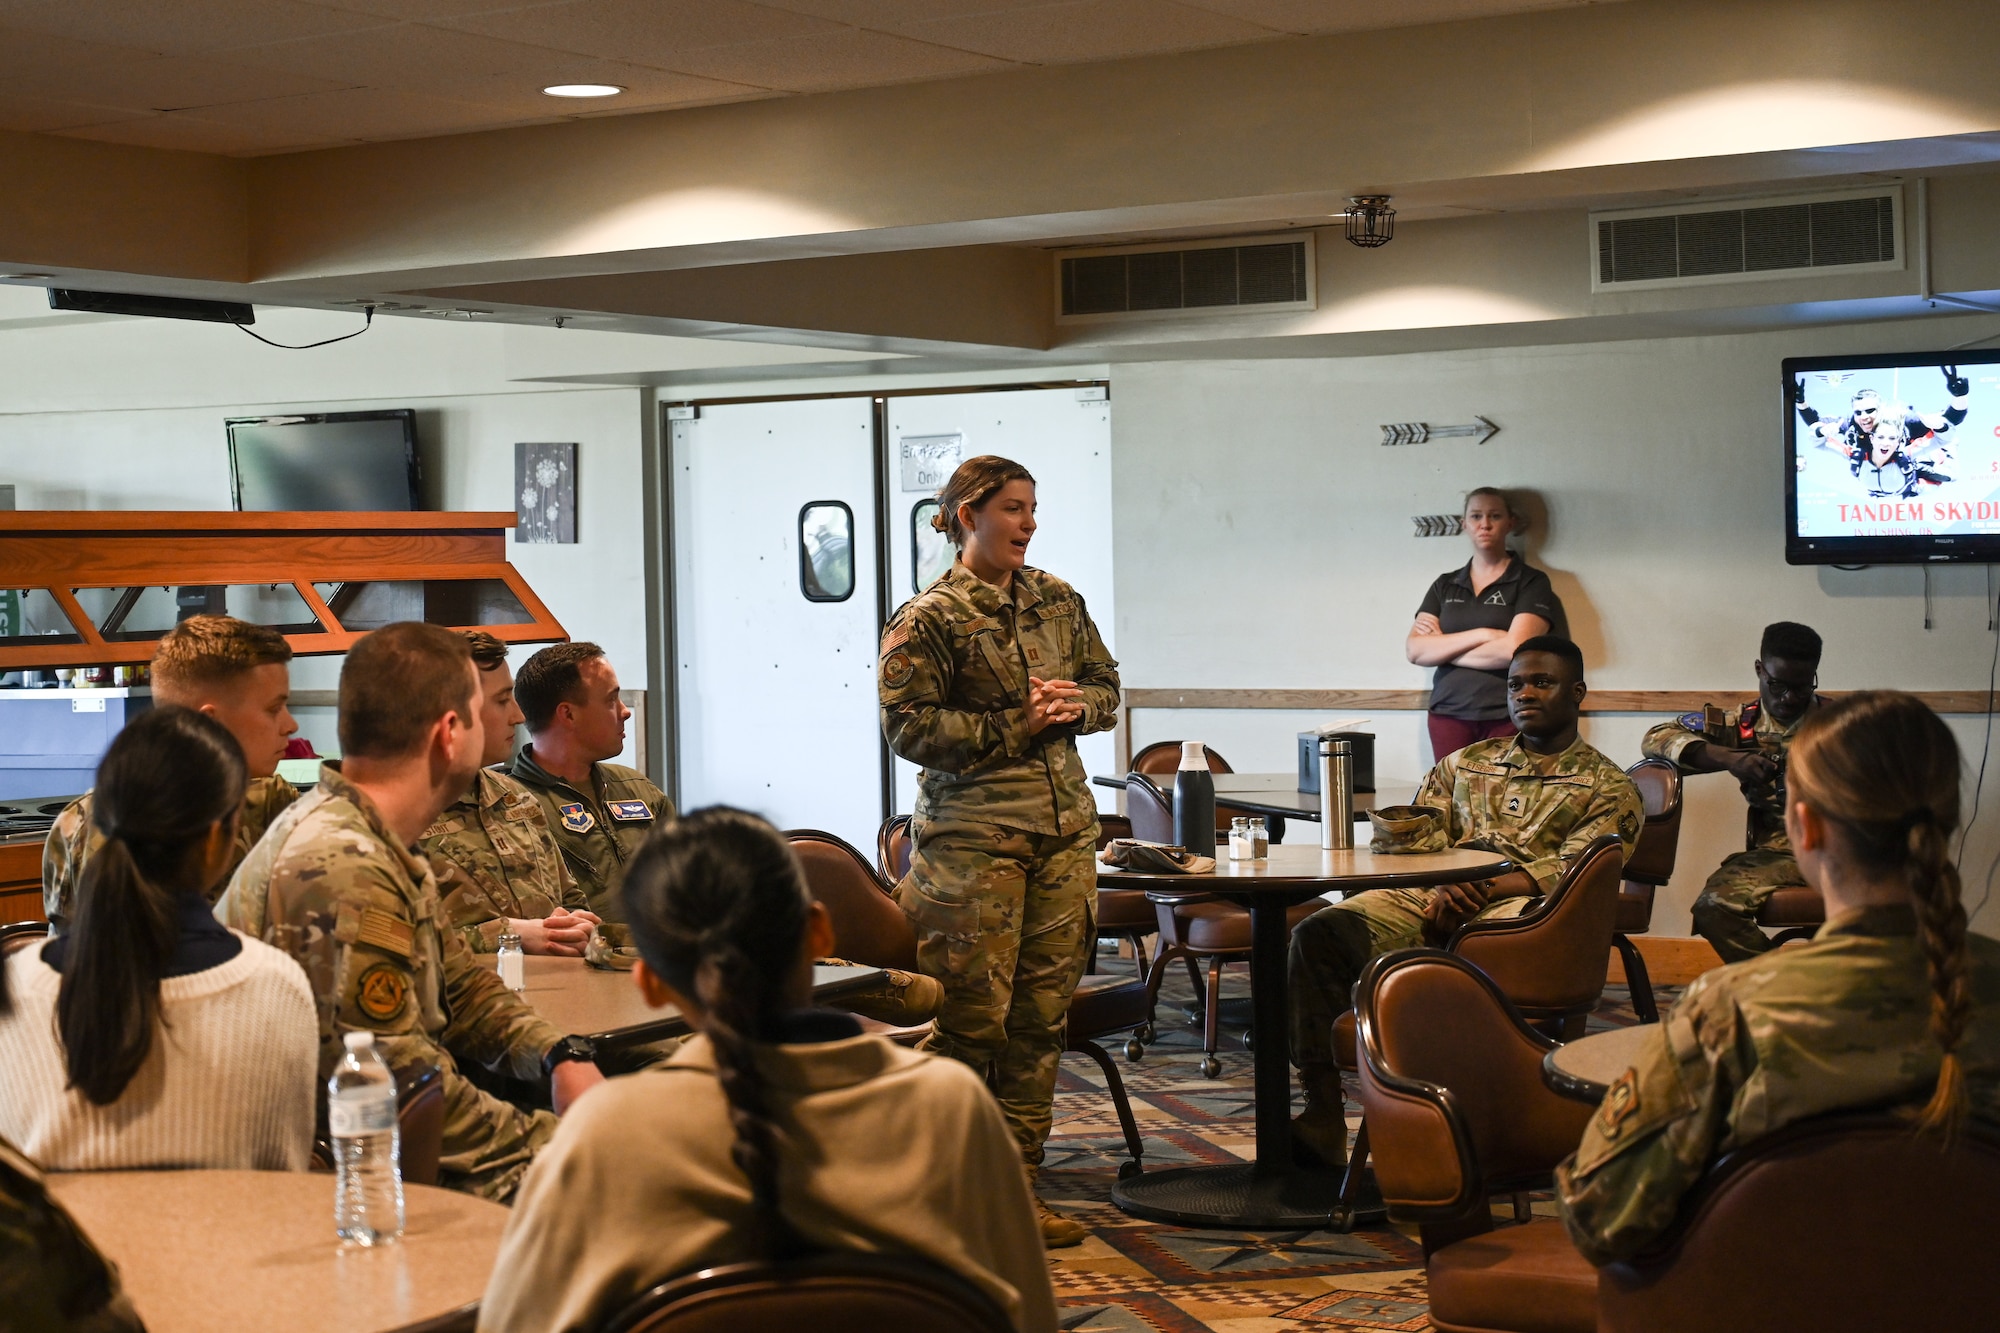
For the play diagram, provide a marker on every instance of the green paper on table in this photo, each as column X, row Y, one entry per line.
column 1407, row 830
column 1154, row 858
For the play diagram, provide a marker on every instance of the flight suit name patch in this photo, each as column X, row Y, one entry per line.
column 575, row 818
column 629, row 811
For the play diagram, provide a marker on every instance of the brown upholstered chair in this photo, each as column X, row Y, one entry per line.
column 1451, row 1084
column 829, row 1293
column 20, row 934
column 892, row 849
column 1796, row 913
column 1895, row 1229
column 1194, row 928
column 1650, row 865
column 1542, row 961
column 420, row 1126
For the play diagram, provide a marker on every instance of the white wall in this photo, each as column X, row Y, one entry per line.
column 1264, row 539
column 128, row 414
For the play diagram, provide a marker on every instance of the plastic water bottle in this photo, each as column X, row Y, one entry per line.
column 367, row 1149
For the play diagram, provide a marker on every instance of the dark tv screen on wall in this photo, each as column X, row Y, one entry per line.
column 350, row 461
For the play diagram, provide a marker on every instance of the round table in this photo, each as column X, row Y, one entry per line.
column 1586, row 1068
column 1270, row 1192
column 201, row 1250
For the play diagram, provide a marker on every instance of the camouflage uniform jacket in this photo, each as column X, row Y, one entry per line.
column 73, row 840
column 1671, row 740
column 330, row 885
column 1534, row 809
column 1841, row 1023
column 495, row 858
column 598, row 831
column 52, row 1279
column 953, row 681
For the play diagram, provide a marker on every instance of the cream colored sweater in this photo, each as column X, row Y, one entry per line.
column 888, row 1150
column 229, row 1082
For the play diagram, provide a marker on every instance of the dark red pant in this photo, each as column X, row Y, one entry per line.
column 1449, row 735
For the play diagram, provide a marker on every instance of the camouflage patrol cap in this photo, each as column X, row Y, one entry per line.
column 1407, row 828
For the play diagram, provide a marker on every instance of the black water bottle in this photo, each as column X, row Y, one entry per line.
column 1194, row 801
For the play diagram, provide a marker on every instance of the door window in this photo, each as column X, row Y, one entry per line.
column 931, row 552
column 826, row 551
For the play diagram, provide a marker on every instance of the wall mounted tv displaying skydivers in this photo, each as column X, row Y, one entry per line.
column 1892, row 460
column 349, row 461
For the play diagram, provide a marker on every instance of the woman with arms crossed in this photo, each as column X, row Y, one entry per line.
column 1473, row 620
column 986, row 679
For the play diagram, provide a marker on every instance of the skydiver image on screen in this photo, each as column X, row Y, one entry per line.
column 1851, row 434
column 1896, row 451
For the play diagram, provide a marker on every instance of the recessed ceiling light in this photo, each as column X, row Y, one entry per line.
column 583, row 90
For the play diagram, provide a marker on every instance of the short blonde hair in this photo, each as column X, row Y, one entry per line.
column 206, row 653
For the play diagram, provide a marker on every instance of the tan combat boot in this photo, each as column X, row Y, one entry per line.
column 900, row 999
column 1058, row 1232
column 1319, row 1134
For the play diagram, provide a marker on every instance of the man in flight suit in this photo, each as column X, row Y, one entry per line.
column 1787, row 669
column 1538, row 798
column 338, row 883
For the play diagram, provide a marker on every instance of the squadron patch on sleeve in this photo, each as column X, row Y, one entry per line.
column 897, row 669
column 575, row 818
column 1618, row 1105
column 381, row 992
column 1694, row 721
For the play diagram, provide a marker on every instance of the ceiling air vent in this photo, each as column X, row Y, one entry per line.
column 1261, row 273
column 1855, row 231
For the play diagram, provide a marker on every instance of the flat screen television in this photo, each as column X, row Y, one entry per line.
column 330, row 461
column 1892, row 460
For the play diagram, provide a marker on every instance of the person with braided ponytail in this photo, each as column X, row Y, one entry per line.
column 777, row 1131
column 1893, row 1004
column 150, row 1035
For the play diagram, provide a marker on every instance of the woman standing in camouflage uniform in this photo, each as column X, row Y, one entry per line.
column 1893, row 1002
column 986, row 678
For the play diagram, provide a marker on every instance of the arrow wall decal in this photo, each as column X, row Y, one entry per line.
column 1418, row 432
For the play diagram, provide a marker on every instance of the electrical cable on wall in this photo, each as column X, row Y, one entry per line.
column 367, row 322
column 1985, row 749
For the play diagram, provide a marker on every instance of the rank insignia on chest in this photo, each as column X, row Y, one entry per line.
column 630, row 812
column 1514, row 804
column 1033, row 654
column 575, row 818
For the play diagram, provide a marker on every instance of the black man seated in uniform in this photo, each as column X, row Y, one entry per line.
column 338, row 883
column 1787, row 668
column 1537, row 798
column 601, row 812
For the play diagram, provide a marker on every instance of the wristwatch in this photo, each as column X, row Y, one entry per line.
column 569, row 1048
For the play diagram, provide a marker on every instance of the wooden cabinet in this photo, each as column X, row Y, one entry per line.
column 21, row 881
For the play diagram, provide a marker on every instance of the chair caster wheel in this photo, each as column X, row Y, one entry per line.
column 1210, row 1066
column 1129, row 1168
column 1147, row 1033
column 1249, row 1041
column 1135, row 1051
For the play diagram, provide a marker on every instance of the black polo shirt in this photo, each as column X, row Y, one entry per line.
column 1469, row 692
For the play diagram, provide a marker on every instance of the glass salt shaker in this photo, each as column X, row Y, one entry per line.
column 512, row 963
column 1260, row 838
column 1239, row 840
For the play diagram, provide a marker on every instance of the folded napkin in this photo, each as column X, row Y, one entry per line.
column 1401, row 829
column 1155, row 858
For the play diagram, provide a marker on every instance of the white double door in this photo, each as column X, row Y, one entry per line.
column 782, row 513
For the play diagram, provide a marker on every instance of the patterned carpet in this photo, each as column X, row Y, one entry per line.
column 1132, row 1276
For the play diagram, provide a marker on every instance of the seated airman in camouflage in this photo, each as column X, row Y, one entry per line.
column 1894, row 1003
column 338, row 882
column 236, row 673
column 497, row 865
column 600, row 812
column 1787, row 669
column 1536, row 798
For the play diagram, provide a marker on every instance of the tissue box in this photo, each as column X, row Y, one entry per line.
column 1363, row 743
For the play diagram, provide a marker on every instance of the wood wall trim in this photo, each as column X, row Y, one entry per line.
column 1600, row 701
column 74, row 521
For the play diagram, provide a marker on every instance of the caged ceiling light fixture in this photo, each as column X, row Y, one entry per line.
column 1370, row 221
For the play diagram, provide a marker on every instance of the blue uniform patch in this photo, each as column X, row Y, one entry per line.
column 630, row 811
column 1694, row 721
column 575, row 818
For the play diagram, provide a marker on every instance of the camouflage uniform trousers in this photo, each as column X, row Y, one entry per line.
column 1726, row 912
column 1332, row 946
column 1004, row 920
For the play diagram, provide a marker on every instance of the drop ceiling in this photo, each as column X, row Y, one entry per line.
column 257, row 77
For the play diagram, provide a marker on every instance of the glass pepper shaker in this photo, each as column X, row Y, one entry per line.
column 1260, row 838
